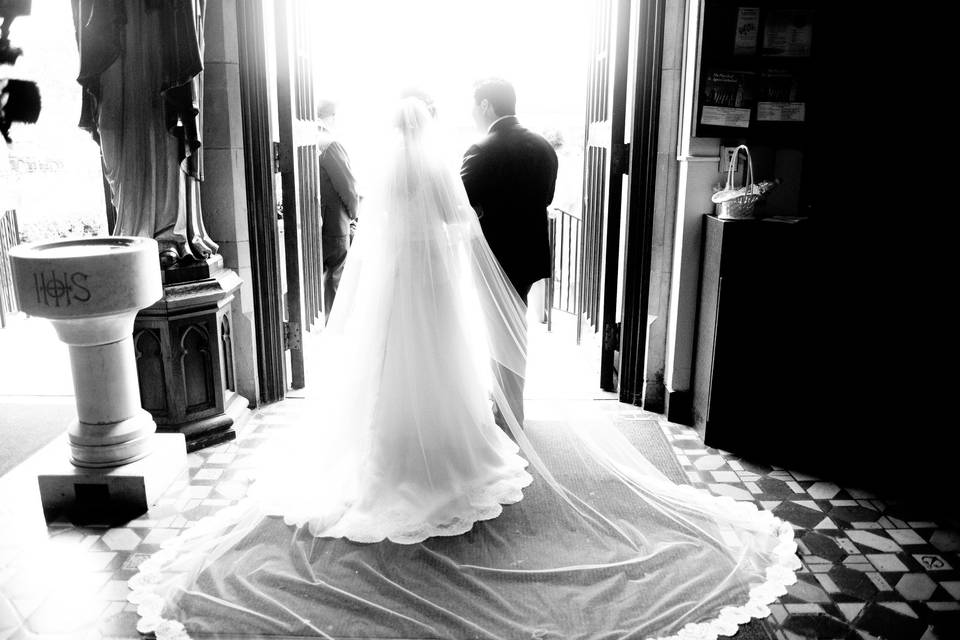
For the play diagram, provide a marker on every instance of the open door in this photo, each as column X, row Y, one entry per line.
column 605, row 162
column 647, row 20
column 298, row 164
column 263, row 233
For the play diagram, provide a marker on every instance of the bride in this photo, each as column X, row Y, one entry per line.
column 384, row 517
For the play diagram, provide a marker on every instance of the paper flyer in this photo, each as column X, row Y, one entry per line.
column 748, row 27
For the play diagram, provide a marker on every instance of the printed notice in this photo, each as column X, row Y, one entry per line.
column 748, row 23
column 725, row 117
column 729, row 89
column 780, row 111
column 788, row 33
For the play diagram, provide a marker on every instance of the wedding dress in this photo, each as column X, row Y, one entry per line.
column 384, row 516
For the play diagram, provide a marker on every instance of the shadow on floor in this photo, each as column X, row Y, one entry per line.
column 27, row 424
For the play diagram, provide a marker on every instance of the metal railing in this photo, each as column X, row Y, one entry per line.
column 9, row 237
column 565, row 248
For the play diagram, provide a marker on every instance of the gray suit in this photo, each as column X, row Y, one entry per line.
column 338, row 207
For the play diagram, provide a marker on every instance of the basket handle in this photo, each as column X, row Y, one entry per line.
column 733, row 164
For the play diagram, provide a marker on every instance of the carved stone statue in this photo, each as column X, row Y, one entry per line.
column 141, row 64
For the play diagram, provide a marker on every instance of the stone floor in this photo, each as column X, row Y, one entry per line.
column 871, row 569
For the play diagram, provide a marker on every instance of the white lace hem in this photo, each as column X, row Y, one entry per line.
column 782, row 572
column 486, row 503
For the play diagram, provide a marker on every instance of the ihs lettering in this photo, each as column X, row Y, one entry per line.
column 61, row 289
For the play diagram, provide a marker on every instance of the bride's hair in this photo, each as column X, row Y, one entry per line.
column 412, row 114
column 416, row 92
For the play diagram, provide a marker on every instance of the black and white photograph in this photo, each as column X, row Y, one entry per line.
column 443, row 320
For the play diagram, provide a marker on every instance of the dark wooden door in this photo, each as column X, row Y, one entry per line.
column 605, row 162
column 298, row 164
column 647, row 20
column 265, row 271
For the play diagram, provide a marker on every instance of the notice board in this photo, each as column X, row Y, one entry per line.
column 755, row 71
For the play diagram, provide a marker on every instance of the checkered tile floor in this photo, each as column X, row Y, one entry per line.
column 870, row 571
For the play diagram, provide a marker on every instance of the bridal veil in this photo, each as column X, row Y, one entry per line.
column 399, row 510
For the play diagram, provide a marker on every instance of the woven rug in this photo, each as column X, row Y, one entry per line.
column 648, row 438
column 355, row 575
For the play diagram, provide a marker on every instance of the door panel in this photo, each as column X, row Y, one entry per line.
column 298, row 175
column 605, row 162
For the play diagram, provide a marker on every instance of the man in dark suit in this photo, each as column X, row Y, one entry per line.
column 338, row 203
column 510, row 178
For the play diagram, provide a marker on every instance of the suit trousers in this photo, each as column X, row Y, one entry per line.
column 334, row 255
column 512, row 381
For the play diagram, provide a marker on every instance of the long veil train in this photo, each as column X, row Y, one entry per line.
column 383, row 516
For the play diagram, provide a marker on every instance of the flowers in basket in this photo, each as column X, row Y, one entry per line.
column 740, row 202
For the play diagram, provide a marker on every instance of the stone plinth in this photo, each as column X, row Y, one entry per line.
column 185, row 355
column 112, row 495
column 91, row 289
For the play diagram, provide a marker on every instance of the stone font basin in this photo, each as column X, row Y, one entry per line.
column 91, row 290
column 86, row 277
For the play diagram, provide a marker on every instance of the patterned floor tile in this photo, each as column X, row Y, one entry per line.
column 905, row 537
column 932, row 562
column 208, row 474
column 853, row 583
column 776, row 488
column 866, row 539
column 121, row 539
column 817, row 626
column 115, row 591
column 872, row 568
column 724, row 476
column 808, row 589
column 886, row 562
column 778, row 612
column 823, row 546
column 952, row 587
column 880, row 582
column 710, row 463
column 810, row 504
column 916, row 586
column 826, row 581
column 946, row 541
column 852, row 514
column 755, row 467
column 733, row 491
column 799, row 515
column 885, row 622
column 159, row 535
column 851, row 610
column 822, row 490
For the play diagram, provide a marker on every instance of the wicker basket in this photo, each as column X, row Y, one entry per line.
column 734, row 203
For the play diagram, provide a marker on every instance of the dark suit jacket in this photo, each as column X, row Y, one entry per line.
column 338, row 189
column 510, row 177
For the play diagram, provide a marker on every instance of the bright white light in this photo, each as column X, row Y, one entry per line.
column 369, row 50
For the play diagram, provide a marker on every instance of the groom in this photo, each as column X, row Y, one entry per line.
column 510, row 176
column 338, row 203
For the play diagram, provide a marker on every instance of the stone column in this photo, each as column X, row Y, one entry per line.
column 223, row 194
column 665, row 211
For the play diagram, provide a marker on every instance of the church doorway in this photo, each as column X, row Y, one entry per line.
column 576, row 72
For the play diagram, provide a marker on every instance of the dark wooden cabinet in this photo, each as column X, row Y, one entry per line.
column 754, row 370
